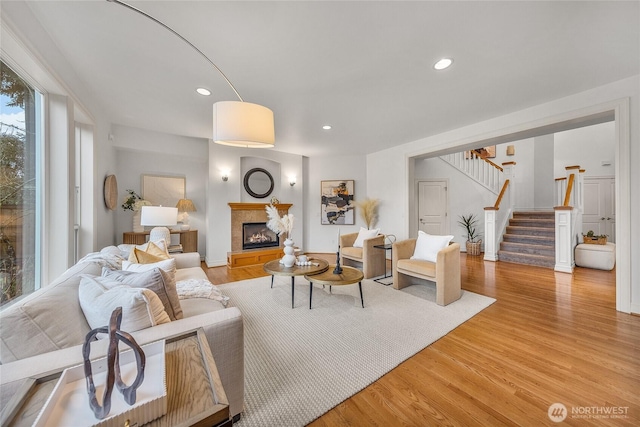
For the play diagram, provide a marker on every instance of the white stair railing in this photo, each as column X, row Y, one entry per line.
column 560, row 190
column 483, row 171
column 497, row 217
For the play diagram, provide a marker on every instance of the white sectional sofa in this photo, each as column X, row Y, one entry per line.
column 45, row 330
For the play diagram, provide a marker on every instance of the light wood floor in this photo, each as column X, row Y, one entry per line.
column 550, row 337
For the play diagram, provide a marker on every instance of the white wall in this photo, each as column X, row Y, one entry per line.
column 29, row 49
column 465, row 196
column 389, row 186
column 544, row 177
column 220, row 193
column 141, row 152
column 324, row 238
column 588, row 148
column 523, row 189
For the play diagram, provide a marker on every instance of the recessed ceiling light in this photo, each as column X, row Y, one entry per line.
column 326, row 127
column 203, row 91
column 443, row 63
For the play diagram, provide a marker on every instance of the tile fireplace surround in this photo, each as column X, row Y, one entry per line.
column 249, row 212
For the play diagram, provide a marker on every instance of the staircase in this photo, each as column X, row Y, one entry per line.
column 481, row 170
column 530, row 239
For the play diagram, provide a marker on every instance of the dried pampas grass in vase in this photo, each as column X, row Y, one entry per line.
column 369, row 211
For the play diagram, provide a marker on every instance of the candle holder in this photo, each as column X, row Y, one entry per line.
column 338, row 269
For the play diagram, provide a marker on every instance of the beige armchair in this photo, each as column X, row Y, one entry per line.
column 445, row 272
column 372, row 260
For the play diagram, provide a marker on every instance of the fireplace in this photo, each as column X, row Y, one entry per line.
column 257, row 235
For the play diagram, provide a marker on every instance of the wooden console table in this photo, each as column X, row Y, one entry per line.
column 188, row 238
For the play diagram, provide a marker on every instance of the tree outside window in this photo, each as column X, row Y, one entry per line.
column 17, row 186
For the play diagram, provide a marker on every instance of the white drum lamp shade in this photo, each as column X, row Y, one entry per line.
column 159, row 217
column 235, row 123
column 243, row 124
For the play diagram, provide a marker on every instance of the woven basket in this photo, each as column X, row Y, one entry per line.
column 595, row 240
column 474, row 248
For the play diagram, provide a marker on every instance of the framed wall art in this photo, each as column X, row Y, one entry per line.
column 484, row 152
column 337, row 207
column 162, row 190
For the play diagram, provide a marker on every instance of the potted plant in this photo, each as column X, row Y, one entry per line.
column 591, row 238
column 133, row 202
column 469, row 222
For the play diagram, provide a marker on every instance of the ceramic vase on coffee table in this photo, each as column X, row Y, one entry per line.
column 289, row 259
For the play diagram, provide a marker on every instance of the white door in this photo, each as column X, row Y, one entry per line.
column 599, row 207
column 433, row 206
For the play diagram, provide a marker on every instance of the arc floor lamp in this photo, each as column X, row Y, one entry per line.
column 235, row 123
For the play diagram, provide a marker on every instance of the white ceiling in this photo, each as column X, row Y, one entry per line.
column 363, row 67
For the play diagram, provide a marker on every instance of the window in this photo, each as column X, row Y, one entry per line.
column 20, row 186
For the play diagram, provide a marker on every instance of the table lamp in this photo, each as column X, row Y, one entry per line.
column 160, row 218
column 185, row 206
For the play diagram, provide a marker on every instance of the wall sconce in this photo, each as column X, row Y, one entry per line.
column 511, row 150
column 292, row 180
column 225, row 176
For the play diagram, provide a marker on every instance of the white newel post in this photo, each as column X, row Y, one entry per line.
column 496, row 217
column 564, row 239
column 577, row 228
column 490, row 246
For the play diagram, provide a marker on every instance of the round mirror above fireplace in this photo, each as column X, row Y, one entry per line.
column 258, row 183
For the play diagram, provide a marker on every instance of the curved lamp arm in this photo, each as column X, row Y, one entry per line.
column 143, row 13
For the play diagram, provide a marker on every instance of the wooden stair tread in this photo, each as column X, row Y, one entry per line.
column 529, row 239
column 528, row 245
column 541, row 240
column 525, row 228
column 535, row 213
column 528, row 259
column 533, row 222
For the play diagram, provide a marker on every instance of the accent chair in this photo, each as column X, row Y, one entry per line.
column 445, row 272
column 371, row 260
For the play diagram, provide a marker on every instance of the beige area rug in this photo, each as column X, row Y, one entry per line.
column 300, row 363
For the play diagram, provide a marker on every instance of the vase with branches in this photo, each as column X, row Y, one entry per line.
column 133, row 201
column 368, row 211
column 282, row 225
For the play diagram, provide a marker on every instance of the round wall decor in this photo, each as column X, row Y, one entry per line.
column 111, row 192
column 258, row 182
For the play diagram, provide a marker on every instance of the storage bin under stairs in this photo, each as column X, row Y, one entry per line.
column 530, row 239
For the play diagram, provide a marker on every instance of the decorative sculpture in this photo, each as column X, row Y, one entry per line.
column 338, row 269
column 113, row 366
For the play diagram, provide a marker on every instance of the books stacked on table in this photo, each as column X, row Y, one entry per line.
column 173, row 249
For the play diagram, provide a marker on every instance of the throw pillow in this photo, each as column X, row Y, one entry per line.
column 428, row 246
column 167, row 266
column 152, row 252
column 155, row 279
column 99, row 296
column 363, row 235
column 142, row 257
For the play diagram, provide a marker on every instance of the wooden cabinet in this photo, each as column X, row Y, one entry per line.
column 188, row 238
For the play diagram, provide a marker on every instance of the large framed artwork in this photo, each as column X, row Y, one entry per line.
column 337, row 205
column 163, row 190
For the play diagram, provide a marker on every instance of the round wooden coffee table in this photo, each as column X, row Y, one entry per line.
column 274, row 268
column 349, row 276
